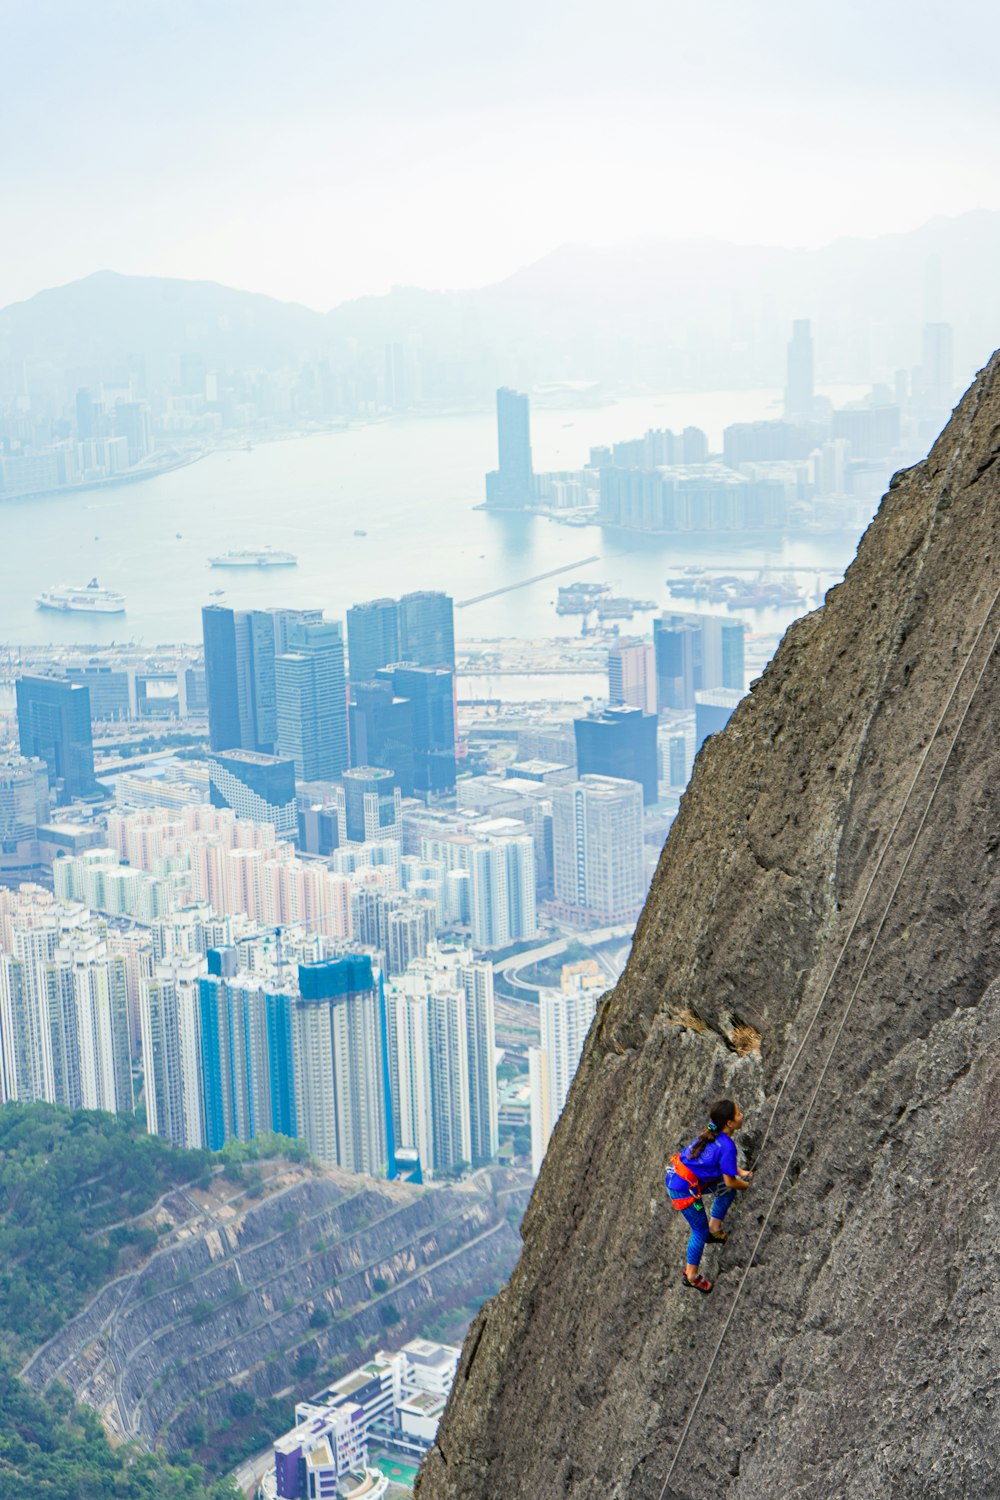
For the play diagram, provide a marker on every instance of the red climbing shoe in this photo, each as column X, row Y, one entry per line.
column 699, row 1284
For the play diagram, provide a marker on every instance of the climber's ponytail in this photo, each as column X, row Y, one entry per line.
column 720, row 1115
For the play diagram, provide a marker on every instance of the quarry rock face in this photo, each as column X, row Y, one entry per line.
column 834, row 864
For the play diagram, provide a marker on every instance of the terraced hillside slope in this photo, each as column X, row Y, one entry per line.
column 252, row 1297
column 837, row 857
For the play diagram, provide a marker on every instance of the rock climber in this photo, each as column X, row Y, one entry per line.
column 707, row 1165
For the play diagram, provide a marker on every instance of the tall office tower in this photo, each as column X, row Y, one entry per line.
column 84, row 416
column 381, row 731
column 258, row 787
column 565, row 1016
column 597, row 849
column 24, row 806
column 341, row 1068
column 632, row 674
column 239, row 678
column 371, row 806
column 101, row 1049
column 937, row 371
column 53, row 722
column 501, row 865
column 134, row 424
column 427, row 630
column 431, row 691
column 695, row 652
column 512, row 483
column 245, row 1046
column 372, row 638
column 800, row 395
column 311, row 700
column 171, row 1058
column 619, row 742
column 712, row 712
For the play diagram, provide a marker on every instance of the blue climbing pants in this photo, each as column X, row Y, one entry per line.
column 698, row 1219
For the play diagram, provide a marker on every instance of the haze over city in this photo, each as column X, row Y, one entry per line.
column 319, row 152
column 449, row 608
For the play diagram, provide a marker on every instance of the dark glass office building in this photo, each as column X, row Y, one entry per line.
column 382, row 731
column 431, row 691
column 512, row 483
column 619, row 742
column 372, row 638
column 53, row 721
column 427, row 630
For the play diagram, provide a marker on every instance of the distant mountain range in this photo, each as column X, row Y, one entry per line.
column 690, row 314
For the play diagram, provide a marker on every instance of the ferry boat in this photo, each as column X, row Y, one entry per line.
column 254, row 557
column 89, row 599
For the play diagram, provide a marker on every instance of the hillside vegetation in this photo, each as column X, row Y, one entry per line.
column 69, row 1182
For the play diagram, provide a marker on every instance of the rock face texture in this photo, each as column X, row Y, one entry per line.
column 838, row 850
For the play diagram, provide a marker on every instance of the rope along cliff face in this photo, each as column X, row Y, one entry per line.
column 832, row 882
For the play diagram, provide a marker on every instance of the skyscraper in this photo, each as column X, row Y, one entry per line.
column 427, row 629
column 695, row 652
column 53, row 722
column 341, row 1067
column 255, row 786
column 168, row 1017
column 443, row 1058
column 512, row 484
column 632, row 674
column 24, row 804
column 621, row 742
column 431, row 692
column 565, row 1016
column 240, row 647
column 800, row 395
column 371, row 805
column 245, row 1053
column 381, row 731
column 713, row 710
column 597, row 849
column 372, row 638
column 311, row 701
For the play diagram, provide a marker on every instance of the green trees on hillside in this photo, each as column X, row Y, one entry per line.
column 69, row 1182
column 52, row 1449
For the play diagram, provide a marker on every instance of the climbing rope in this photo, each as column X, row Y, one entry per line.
column 854, row 993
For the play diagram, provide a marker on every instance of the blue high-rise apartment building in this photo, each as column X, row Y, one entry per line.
column 511, row 486
column 306, row 1056
column 247, row 1057
column 53, row 723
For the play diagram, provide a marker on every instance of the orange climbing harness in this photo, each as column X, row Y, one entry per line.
column 684, row 1171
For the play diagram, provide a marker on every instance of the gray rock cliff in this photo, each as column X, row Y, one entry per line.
column 836, row 856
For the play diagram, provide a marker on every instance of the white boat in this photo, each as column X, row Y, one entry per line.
column 89, row 599
column 255, row 557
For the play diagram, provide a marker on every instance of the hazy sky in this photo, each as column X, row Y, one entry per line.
column 319, row 150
